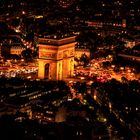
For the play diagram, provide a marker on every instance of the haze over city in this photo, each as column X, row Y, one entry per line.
column 69, row 69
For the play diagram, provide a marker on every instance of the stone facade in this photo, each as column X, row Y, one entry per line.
column 56, row 58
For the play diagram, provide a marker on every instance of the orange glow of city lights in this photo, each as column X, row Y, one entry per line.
column 94, row 97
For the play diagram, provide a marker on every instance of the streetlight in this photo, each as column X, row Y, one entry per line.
column 113, row 66
column 23, row 12
column 121, row 68
column 22, row 60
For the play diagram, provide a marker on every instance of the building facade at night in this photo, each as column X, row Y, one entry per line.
column 56, row 57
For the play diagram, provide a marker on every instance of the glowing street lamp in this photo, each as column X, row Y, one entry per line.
column 112, row 66
column 121, row 68
column 23, row 12
column 129, row 70
column 95, row 97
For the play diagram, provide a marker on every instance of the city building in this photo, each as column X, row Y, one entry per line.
column 11, row 45
column 129, row 43
column 17, row 50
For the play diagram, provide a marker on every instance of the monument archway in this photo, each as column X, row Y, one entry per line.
column 47, row 67
column 56, row 58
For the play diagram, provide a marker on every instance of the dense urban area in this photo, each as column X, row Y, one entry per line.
column 100, row 101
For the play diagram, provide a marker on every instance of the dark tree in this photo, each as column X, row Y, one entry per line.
column 27, row 54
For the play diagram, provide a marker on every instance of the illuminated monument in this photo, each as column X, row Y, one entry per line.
column 56, row 57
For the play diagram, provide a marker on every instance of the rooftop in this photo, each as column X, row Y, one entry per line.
column 55, row 40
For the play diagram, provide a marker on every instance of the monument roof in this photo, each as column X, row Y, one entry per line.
column 57, row 41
